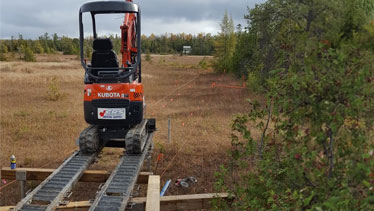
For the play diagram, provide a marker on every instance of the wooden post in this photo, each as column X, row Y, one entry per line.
column 169, row 130
column 153, row 194
column 21, row 177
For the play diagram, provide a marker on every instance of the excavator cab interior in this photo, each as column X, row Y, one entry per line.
column 103, row 56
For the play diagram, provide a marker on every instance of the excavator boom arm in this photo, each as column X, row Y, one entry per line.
column 128, row 39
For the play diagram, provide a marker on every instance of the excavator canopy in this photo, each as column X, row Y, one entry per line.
column 109, row 7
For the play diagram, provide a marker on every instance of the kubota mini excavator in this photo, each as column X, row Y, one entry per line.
column 113, row 92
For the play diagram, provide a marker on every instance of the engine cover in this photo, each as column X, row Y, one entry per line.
column 118, row 105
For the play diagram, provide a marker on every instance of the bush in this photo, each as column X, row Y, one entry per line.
column 148, row 57
column 203, row 63
column 53, row 92
column 3, row 57
column 28, row 55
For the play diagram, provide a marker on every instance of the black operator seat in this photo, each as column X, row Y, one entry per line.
column 103, row 55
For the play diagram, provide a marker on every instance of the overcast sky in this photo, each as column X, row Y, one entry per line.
column 32, row 18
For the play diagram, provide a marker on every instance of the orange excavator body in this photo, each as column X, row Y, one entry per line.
column 117, row 101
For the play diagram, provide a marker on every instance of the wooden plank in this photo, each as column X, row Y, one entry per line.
column 98, row 176
column 167, row 203
column 7, row 208
column 190, row 202
column 153, row 194
column 32, row 173
column 78, row 205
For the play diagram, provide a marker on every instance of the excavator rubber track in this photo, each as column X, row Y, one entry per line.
column 89, row 140
column 135, row 138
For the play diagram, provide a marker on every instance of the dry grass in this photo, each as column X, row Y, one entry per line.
column 42, row 132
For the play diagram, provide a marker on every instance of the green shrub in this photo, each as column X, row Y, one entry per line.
column 29, row 55
column 148, row 57
column 53, row 92
column 3, row 57
column 203, row 63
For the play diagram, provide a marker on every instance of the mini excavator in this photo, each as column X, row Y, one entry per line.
column 113, row 93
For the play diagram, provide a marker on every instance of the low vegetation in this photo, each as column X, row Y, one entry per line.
column 53, row 91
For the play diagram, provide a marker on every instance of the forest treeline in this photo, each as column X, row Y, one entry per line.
column 309, row 145
column 202, row 44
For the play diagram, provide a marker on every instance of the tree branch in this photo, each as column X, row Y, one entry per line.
column 261, row 146
column 331, row 153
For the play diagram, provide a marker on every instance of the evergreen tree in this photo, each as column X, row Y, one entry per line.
column 37, row 47
column 28, row 55
column 3, row 47
column 224, row 45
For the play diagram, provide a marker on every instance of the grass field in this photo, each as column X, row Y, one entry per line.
column 41, row 111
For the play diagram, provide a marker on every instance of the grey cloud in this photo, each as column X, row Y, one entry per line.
column 33, row 18
column 195, row 10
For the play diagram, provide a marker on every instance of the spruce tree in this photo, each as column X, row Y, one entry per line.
column 225, row 45
column 28, row 55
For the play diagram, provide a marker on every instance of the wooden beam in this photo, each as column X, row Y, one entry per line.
column 78, row 205
column 6, row 208
column 88, row 175
column 153, row 193
column 190, row 202
column 32, row 173
column 167, row 203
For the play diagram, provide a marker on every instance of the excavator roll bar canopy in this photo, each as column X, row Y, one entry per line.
column 108, row 7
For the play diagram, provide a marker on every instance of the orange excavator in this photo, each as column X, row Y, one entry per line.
column 113, row 93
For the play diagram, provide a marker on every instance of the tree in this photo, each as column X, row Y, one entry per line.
column 3, row 47
column 88, row 47
column 315, row 149
column 224, row 46
column 37, row 47
column 243, row 56
column 69, row 46
column 28, row 55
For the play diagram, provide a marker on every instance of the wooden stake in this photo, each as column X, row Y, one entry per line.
column 169, row 130
column 21, row 178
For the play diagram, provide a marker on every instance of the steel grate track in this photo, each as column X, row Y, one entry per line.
column 53, row 189
column 116, row 192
